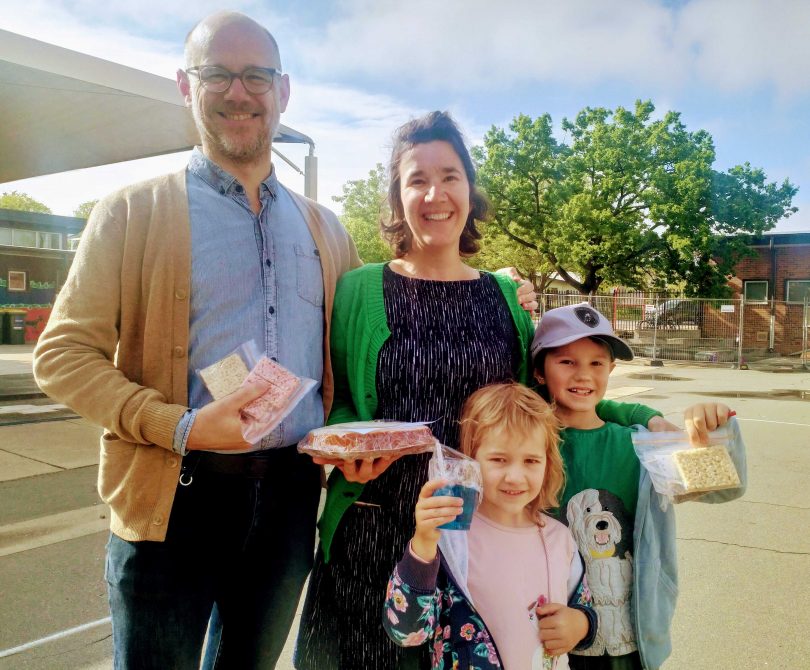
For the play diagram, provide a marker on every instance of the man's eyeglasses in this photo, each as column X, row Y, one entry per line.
column 256, row 80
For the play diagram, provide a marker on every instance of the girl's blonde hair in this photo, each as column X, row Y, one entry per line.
column 520, row 412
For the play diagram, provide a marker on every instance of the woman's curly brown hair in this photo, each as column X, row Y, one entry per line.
column 433, row 127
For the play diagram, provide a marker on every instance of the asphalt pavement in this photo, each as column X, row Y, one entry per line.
column 744, row 566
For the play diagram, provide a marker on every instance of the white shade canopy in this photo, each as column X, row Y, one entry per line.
column 63, row 110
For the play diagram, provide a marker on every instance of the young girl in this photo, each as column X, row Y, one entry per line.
column 513, row 569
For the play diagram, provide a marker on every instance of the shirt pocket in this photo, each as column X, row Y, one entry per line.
column 309, row 275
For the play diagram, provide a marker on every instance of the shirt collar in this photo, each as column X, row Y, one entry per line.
column 224, row 182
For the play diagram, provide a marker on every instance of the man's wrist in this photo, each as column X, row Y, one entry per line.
column 183, row 430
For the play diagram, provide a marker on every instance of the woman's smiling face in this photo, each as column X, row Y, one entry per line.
column 435, row 195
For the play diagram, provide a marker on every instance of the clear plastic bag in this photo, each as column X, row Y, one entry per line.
column 246, row 365
column 367, row 439
column 463, row 475
column 680, row 471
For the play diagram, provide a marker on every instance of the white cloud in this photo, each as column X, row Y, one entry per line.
column 738, row 46
column 480, row 45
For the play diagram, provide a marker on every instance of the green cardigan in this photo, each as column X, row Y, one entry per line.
column 359, row 329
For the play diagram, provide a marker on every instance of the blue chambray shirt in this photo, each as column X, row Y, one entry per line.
column 252, row 278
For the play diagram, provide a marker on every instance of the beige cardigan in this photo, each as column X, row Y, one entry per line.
column 116, row 346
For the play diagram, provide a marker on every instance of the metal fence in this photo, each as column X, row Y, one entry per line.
column 728, row 332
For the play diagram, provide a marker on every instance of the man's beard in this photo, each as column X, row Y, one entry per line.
column 241, row 150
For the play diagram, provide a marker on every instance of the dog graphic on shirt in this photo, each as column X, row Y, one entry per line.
column 599, row 523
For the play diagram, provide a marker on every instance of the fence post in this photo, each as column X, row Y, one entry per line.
column 805, row 326
column 741, row 362
column 655, row 361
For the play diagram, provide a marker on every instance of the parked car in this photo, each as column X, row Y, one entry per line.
column 673, row 314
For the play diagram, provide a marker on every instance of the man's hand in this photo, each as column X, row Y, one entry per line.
column 217, row 426
column 525, row 290
column 431, row 512
column 561, row 628
column 362, row 470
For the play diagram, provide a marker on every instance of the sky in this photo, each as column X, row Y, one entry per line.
column 739, row 69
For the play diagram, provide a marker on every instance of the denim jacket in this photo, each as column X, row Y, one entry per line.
column 430, row 603
column 655, row 568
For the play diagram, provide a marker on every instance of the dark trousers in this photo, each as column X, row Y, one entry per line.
column 242, row 543
column 605, row 662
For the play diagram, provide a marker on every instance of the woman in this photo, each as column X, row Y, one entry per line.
column 411, row 340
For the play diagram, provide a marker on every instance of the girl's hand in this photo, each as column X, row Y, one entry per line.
column 561, row 627
column 432, row 512
column 702, row 418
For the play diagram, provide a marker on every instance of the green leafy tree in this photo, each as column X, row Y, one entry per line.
column 364, row 203
column 83, row 210
column 631, row 200
column 22, row 202
column 519, row 203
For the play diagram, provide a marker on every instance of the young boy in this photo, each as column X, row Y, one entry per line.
column 624, row 535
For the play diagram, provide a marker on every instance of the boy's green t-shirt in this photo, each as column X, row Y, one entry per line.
column 599, row 506
column 601, row 459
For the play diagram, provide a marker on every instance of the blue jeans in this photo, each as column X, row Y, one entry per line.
column 245, row 544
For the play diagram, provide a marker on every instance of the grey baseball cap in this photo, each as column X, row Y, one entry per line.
column 564, row 325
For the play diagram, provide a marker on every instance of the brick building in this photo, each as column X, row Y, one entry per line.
column 35, row 257
column 773, row 284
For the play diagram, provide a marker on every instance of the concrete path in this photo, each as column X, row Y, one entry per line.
column 744, row 566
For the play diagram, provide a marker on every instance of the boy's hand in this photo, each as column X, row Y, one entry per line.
column 703, row 418
column 432, row 512
column 658, row 424
column 561, row 627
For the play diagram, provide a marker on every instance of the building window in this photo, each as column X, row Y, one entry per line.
column 49, row 240
column 17, row 281
column 5, row 235
column 23, row 238
column 797, row 290
column 756, row 291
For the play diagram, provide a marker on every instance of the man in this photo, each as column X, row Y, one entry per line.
column 172, row 275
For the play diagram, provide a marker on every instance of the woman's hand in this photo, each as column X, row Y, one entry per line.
column 361, row 470
column 431, row 512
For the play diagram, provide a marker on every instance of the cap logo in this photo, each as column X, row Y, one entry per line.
column 588, row 316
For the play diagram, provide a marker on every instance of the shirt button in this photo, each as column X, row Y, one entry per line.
column 267, row 262
column 158, row 520
column 172, row 462
column 272, row 310
column 180, row 294
column 348, row 494
column 273, row 358
column 317, row 253
column 178, row 352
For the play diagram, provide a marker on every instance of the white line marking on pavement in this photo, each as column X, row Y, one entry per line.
column 34, row 533
column 30, row 409
column 782, row 423
column 51, row 638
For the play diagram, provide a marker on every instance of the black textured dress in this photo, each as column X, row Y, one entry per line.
column 448, row 340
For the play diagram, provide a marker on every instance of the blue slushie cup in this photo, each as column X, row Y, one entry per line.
column 463, row 476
